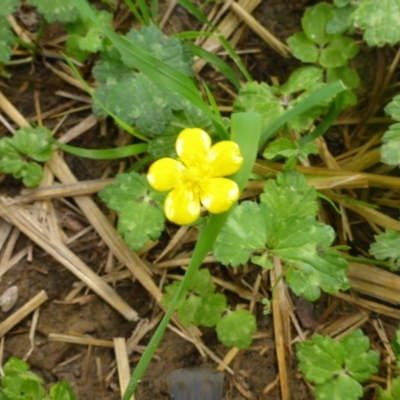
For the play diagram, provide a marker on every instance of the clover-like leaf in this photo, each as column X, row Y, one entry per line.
column 314, row 23
column 394, row 392
column 141, row 208
column 210, row 311
column 338, row 52
column 379, row 19
column 342, row 18
column 236, row 328
column 337, row 368
column 303, row 48
column 387, row 247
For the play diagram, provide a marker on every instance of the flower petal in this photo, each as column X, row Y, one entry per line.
column 192, row 146
column 182, row 206
column 225, row 158
column 164, row 174
column 219, row 194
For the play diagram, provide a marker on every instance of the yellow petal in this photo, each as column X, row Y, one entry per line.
column 225, row 158
column 164, row 174
column 219, row 194
column 192, row 146
column 182, row 206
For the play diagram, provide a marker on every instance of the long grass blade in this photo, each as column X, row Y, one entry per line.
column 245, row 131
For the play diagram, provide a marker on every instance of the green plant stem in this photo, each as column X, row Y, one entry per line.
column 134, row 11
column 245, row 132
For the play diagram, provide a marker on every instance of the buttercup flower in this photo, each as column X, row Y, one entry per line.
column 195, row 179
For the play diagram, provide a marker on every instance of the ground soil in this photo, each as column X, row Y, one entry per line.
column 90, row 370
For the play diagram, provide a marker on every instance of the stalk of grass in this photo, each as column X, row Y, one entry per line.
column 134, row 11
column 102, row 154
column 145, row 11
column 245, row 131
column 191, row 7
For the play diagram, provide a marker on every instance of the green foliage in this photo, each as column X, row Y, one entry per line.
column 394, row 392
column 292, row 151
column 200, row 305
column 56, row 10
column 379, row 19
column 18, row 383
column 390, row 150
column 7, row 38
column 19, row 153
column 337, row 368
column 85, row 37
column 272, row 101
column 387, row 247
column 284, row 225
column 316, row 45
column 140, row 208
column 131, row 95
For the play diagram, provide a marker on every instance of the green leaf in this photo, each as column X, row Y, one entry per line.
column 243, row 235
column 303, row 48
column 10, row 159
column 141, row 208
column 393, row 108
column 387, row 247
column 338, row 52
column 190, row 117
column 379, row 19
column 290, row 150
column 210, row 311
column 56, row 10
column 346, row 74
column 85, row 37
column 34, row 143
column 394, row 393
column 342, row 18
column 188, row 309
column 302, row 79
column 8, row 7
column 236, row 328
column 31, row 174
column 170, row 50
column 314, row 23
column 259, row 98
column 7, row 40
column 390, row 150
column 62, row 391
column 337, row 368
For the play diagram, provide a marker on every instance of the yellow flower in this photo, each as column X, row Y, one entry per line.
column 195, row 179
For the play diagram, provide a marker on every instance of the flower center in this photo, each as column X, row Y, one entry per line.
column 194, row 175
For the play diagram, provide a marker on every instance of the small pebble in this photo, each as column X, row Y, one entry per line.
column 9, row 298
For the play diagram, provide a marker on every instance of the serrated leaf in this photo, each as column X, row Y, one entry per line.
column 338, row 52
column 62, row 391
column 302, row 79
column 170, row 291
column 379, row 19
column 290, row 195
column 393, row 108
column 303, row 48
column 314, row 23
column 387, row 247
column 390, row 150
column 10, row 159
column 259, row 98
column 56, row 10
column 190, row 117
column 337, row 367
column 31, row 174
column 236, row 244
column 7, row 39
column 188, row 309
column 170, row 50
column 34, row 143
column 236, row 328
column 140, row 207
column 210, row 311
